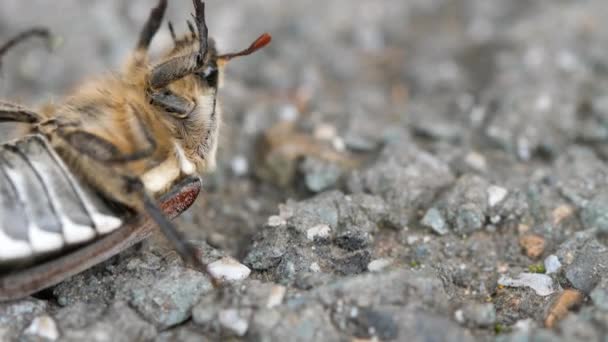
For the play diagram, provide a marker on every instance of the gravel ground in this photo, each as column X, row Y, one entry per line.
column 421, row 170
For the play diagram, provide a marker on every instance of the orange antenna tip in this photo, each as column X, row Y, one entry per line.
column 259, row 43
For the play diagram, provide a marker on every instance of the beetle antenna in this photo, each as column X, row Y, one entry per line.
column 259, row 43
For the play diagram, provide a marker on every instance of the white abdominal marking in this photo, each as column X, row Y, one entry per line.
column 13, row 249
column 44, row 241
column 75, row 233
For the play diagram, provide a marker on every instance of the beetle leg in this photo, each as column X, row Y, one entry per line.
column 171, row 103
column 101, row 149
column 185, row 249
column 17, row 113
column 151, row 26
column 40, row 32
column 172, row 32
column 180, row 66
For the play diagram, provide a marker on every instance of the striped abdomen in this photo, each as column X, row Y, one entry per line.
column 43, row 207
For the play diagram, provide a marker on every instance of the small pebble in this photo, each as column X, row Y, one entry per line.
column 378, row 264
column 275, row 221
column 232, row 320
column 319, row 231
column 533, row 245
column 496, row 194
column 541, row 284
column 459, row 316
column 228, row 269
column 338, row 144
column 412, row 239
column 523, row 325
column 325, row 132
column 434, row 219
column 566, row 301
column 552, row 264
column 561, row 213
column 288, row 113
column 476, row 161
column 239, row 166
column 43, row 327
column 481, row 315
column 277, row 293
column 315, row 267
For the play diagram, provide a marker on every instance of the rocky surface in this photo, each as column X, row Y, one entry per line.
column 446, row 177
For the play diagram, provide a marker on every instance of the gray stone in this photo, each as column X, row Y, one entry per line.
column 319, row 175
column 434, row 219
column 552, row 264
column 406, row 177
column 599, row 295
column 466, row 204
column 16, row 315
column 480, row 315
column 595, row 214
column 170, row 299
column 588, row 266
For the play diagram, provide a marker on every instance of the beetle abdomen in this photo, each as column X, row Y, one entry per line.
column 43, row 207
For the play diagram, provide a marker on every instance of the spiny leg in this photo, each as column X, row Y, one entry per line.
column 178, row 67
column 10, row 112
column 185, row 249
column 193, row 34
column 40, row 32
column 150, row 29
column 102, row 150
column 172, row 32
column 173, row 104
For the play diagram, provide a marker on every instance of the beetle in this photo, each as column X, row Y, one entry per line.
column 83, row 184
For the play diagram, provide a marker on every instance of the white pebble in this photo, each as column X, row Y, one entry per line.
column 523, row 325
column 543, row 102
column 476, row 160
column 552, row 264
column 228, row 269
column 315, row 267
column 239, row 165
column 378, row 264
column 412, row 239
column 338, row 144
column 231, row 320
column 277, row 293
column 496, row 194
column 542, row 284
column 44, row 327
column 289, row 113
column 459, row 316
column 325, row 132
column 320, row 231
column 275, row 221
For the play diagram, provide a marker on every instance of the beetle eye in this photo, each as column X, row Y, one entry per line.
column 210, row 75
